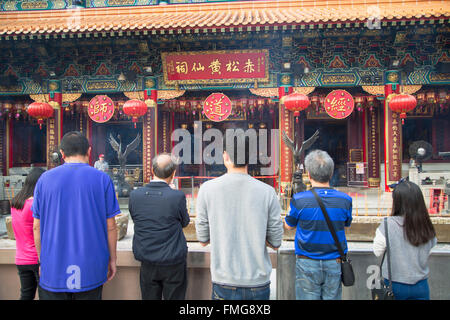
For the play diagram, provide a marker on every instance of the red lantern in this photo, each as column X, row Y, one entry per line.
column 402, row 103
column 296, row 102
column 134, row 108
column 40, row 111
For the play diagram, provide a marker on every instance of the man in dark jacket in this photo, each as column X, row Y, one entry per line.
column 159, row 214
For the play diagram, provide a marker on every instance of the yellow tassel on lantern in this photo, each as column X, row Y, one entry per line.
column 150, row 103
column 55, row 105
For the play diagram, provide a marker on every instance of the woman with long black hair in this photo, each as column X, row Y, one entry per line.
column 411, row 238
column 27, row 261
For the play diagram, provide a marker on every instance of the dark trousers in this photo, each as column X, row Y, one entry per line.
column 29, row 279
column 157, row 281
column 94, row 294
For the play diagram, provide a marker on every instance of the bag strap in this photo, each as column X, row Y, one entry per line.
column 387, row 252
column 330, row 225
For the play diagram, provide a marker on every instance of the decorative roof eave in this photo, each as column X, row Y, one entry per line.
column 217, row 17
column 86, row 33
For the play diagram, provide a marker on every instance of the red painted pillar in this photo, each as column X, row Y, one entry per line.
column 54, row 124
column 286, row 119
column 10, row 131
column 372, row 145
column 392, row 133
column 150, row 127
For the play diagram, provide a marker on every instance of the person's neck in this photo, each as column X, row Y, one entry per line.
column 77, row 159
column 242, row 170
column 316, row 184
column 168, row 180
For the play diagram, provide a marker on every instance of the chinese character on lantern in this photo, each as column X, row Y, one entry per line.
column 339, row 104
column 101, row 109
column 217, row 107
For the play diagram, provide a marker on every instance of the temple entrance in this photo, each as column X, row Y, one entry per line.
column 29, row 144
column 333, row 139
column 249, row 112
column 123, row 134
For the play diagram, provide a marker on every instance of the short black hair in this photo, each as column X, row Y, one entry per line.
column 237, row 147
column 74, row 143
column 163, row 172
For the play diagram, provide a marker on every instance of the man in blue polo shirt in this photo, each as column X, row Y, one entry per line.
column 74, row 226
column 318, row 268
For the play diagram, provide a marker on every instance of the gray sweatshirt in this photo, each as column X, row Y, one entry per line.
column 409, row 264
column 237, row 214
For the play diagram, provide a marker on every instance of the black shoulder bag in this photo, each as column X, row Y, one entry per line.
column 385, row 292
column 347, row 274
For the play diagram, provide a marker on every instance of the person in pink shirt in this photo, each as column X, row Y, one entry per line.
column 27, row 260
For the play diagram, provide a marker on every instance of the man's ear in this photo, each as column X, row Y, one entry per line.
column 89, row 152
column 226, row 158
column 63, row 156
column 225, row 155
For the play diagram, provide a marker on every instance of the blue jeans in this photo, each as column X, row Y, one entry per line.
column 403, row 291
column 318, row 279
column 222, row 292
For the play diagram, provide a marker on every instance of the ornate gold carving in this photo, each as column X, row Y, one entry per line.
column 410, row 89
column 53, row 86
column 286, row 79
column 338, row 78
column 150, row 83
column 304, row 90
column 374, row 90
column 379, row 90
column 101, row 85
column 265, row 92
column 70, row 97
column 39, row 97
column 374, row 182
column 139, row 95
column 392, row 77
column 170, row 94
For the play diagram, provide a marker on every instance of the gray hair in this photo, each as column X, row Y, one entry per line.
column 319, row 165
column 164, row 165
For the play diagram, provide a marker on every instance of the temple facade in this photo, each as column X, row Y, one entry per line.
column 178, row 56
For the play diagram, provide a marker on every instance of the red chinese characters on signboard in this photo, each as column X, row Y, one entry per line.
column 217, row 107
column 215, row 66
column 339, row 104
column 101, row 109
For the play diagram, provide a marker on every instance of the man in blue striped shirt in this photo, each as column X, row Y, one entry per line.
column 318, row 268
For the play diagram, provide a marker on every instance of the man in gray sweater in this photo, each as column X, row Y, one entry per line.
column 239, row 216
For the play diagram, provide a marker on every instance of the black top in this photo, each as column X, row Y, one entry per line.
column 159, row 214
